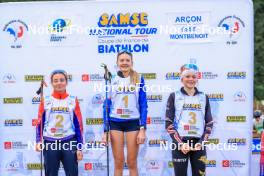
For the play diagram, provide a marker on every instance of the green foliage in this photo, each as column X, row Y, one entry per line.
column 259, row 50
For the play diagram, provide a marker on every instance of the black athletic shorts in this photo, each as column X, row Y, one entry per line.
column 131, row 125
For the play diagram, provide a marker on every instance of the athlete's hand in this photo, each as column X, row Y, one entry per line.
column 38, row 147
column 185, row 148
column 79, row 155
column 104, row 138
column 141, row 137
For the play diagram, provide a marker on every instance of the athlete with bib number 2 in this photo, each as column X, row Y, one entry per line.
column 60, row 126
column 189, row 123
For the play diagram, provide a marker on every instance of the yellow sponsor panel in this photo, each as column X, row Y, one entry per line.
column 17, row 100
column 34, row 78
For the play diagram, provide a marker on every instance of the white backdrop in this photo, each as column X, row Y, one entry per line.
column 163, row 35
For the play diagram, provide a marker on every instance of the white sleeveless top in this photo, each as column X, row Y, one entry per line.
column 190, row 114
column 124, row 97
column 59, row 117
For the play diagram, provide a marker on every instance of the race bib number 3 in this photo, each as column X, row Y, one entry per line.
column 191, row 125
column 193, row 119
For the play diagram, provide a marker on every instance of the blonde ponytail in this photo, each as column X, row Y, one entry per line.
column 134, row 77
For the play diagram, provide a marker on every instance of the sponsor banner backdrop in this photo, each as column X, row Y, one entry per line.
column 37, row 38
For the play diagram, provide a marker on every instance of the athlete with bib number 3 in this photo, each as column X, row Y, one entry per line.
column 60, row 125
column 127, row 108
column 189, row 122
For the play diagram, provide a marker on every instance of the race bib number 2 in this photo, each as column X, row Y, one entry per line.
column 58, row 129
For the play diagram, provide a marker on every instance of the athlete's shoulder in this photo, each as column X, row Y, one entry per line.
column 141, row 77
column 178, row 93
column 202, row 95
column 171, row 97
column 172, row 94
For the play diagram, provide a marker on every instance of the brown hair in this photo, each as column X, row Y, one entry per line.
column 59, row 72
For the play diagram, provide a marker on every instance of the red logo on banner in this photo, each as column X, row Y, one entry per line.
column 34, row 122
column 8, row 145
column 119, row 111
column 148, row 120
column 186, row 127
column 225, row 163
column 199, row 75
column 85, row 77
column 53, row 130
column 88, row 166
